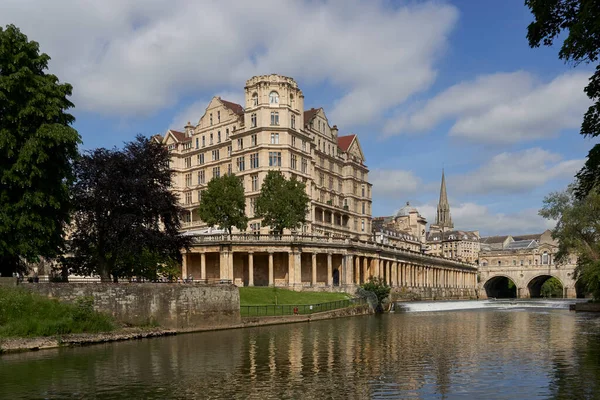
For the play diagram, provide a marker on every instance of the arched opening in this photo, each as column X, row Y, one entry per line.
column 274, row 97
column 500, row 287
column 545, row 286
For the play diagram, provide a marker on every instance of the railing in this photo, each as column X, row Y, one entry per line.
column 298, row 309
column 304, row 238
column 81, row 279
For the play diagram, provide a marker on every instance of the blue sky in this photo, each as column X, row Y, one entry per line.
column 425, row 84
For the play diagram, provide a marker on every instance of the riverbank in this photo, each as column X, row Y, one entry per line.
column 13, row 345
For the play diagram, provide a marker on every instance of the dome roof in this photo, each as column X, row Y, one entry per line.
column 406, row 210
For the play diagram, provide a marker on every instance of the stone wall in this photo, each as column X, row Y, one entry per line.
column 432, row 293
column 175, row 306
column 8, row 281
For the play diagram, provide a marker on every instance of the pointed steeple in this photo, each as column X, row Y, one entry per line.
column 443, row 218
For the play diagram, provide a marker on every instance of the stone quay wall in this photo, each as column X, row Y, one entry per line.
column 170, row 305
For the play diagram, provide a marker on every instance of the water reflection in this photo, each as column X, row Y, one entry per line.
column 457, row 354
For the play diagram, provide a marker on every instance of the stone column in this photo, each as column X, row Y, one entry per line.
column 223, row 267
column 349, row 272
column 271, row 281
column 230, row 266
column 394, row 274
column 314, row 269
column 365, row 270
column 329, row 270
column 357, row 270
column 184, row 268
column 291, row 270
column 298, row 267
column 203, row 266
column 250, row 269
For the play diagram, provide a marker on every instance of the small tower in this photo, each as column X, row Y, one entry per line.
column 443, row 219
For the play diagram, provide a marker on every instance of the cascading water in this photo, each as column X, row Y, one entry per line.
column 429, row 306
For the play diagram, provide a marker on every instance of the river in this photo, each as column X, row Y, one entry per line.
column 502, row 350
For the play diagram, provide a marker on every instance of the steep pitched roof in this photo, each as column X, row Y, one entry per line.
column 494, row 239
column 310, row 114
column 344, row 142
column 180, row 136
column 236, row 108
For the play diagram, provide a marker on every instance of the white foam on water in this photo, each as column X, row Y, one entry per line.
column 508, row 304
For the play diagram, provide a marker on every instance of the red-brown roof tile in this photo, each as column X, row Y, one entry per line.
column 236, row 108
column 180, row 136
column 344, row 142
column 310, row 114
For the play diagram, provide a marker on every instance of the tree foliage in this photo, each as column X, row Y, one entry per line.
column 552, row 288
column 223, row 203
column 578, row 232
column 282, row 203
column 379, row 288
column 580, row 20
column 126, row 220
column 37, row 148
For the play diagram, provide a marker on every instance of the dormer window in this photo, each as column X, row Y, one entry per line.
column 274, row 97
column 254, row 99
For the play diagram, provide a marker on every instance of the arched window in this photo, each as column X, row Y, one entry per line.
column 255, row 99
column 545, row 258
column 274, row 97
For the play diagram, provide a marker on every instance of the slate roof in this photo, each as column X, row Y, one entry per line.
column 452, row 235
column 236, row 108
column 310, row 114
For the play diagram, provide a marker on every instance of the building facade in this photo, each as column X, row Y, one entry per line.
column 271, row 130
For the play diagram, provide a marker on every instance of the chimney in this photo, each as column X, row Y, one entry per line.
column 334, row 131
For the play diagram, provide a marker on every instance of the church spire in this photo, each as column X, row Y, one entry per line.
column 443, row 218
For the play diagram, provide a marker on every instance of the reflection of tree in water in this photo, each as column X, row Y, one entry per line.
column 576, row 375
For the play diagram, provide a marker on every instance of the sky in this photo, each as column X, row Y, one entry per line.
column 426, row 85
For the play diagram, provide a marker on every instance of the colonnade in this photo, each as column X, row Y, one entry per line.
column 318, row 268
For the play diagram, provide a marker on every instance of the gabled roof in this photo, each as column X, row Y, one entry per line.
column 178, row 136
column 494, row 239
column 528, row 237
column 344, row 142
column 310, row 114
column 236, row 108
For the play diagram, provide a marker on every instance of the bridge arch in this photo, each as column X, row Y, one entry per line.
column 534, row 286
column 500, row 286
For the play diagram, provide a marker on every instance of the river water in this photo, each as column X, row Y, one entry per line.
column 518, row 350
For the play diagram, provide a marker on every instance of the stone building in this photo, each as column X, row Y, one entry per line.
column 335, row 249
column 457, row 245
column 444, row 241
column 271, row 130
column 386, row 232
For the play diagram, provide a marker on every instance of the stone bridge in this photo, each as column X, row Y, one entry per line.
column 527, row 279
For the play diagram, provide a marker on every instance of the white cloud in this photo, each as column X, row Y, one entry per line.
column 393, row 184
column 517, row 172
column 133, row 57
column 472, row 216
column 502, row 108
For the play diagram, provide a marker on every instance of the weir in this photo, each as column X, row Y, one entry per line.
column 432, row 306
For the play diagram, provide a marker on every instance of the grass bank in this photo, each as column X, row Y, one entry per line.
column 250, row 296
column 25, row 314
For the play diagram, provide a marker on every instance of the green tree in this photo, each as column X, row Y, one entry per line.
column 126, row 220
column 379, row 288
column 578, row 232
column 552, row 288
column 37, row 149
column 282, row 203
column 580, row 19
column 223, row 203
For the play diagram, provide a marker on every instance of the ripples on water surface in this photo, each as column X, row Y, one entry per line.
column 475, row 354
